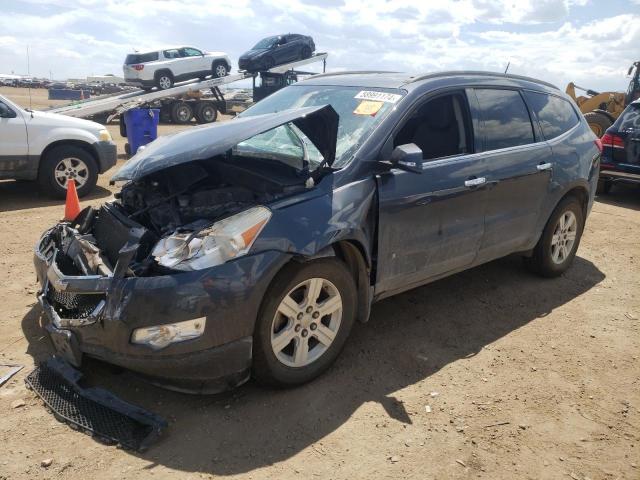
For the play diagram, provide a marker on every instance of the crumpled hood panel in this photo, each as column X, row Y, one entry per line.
column 318, row 123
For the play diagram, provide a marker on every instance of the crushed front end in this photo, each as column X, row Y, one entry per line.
column 106, row 296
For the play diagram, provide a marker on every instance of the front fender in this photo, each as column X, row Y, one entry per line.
column 46, row 138
column 314, row 220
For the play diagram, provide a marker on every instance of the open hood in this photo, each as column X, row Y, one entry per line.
column 318, row 123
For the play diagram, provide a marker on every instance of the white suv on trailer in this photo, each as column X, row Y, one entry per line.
column 163, row 68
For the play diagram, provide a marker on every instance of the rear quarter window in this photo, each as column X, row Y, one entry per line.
column 505, row 119
column 555, row 114
column 630, row 118
column 141, row 58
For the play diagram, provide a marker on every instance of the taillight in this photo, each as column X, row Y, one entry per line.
column 612, row 140
column 138, row 66
column 598, row 143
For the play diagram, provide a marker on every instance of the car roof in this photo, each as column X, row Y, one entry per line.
column 407, row 81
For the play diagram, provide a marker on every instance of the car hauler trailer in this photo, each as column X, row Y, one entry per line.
column 180, row 104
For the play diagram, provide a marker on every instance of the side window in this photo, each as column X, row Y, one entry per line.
column 505, row 119
column 191, row 52
column 440, row 127
column 171, row 53
column 555, row 114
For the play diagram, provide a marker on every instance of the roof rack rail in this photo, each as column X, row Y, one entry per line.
column 352, row 72
column 481, row 73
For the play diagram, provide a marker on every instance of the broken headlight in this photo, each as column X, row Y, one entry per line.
column 214, row 245
column 161, row 336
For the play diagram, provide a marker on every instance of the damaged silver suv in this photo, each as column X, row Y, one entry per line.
column 251, row 246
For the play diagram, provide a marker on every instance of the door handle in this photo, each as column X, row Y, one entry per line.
column 474, row 182
column 544, row 166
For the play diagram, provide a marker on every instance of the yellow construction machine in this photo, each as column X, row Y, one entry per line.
column 602, row 109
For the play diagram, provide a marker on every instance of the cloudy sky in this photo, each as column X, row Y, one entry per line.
column 591, row 42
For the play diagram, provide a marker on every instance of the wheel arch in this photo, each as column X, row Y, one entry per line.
column 163, row 70
column 353, row 253
column 87, row 147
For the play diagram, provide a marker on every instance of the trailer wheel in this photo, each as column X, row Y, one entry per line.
column 206, row 112
column 181, row 113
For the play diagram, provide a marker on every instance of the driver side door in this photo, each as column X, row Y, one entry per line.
column 432, row 223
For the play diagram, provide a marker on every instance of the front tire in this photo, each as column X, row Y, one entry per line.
column 557, row 246
column 219, row 69
column 64, row 163
column 304, row 322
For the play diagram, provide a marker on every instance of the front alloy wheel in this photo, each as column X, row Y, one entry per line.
column 304, row 322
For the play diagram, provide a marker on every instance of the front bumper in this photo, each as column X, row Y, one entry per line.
column 95, row 315
column 107, row 155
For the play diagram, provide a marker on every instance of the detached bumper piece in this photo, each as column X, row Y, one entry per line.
column 94, row 410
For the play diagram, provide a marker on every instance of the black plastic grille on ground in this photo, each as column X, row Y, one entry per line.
column 93, row 410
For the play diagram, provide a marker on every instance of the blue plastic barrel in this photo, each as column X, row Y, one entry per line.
column 142, row 126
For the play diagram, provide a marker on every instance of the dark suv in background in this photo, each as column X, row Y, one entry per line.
column 252, row 246
column 621, row 150
column 272, row 51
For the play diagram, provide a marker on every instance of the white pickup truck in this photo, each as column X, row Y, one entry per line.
column 52, row 149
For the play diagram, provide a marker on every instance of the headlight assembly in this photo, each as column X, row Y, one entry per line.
column 104, row 135
column 214, row 245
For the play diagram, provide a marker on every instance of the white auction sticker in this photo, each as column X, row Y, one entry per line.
column 379, row 96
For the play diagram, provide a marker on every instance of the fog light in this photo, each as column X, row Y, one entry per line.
column 161, row 336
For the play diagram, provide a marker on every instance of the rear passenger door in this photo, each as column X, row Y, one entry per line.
column 519, row 164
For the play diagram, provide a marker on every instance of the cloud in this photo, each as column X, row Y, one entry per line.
column 558, row 41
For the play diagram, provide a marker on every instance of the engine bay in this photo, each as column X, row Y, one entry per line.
column 180, row 198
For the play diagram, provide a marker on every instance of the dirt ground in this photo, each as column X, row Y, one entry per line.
column 492, row 373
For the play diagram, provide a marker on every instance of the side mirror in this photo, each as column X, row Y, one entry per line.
column 6, row 112
column 407, row 157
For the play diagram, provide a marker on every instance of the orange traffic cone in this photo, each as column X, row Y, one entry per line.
column 72, row 205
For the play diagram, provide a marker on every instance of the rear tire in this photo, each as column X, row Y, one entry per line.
column 598, row 122
column 604, row 186
column 164, row 80
column 181, row 113
column 63, row 163
column 313, row 339
column 206, row 112
column 556, row 249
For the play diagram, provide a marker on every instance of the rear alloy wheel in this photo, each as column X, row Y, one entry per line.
column 560, row 239
column 206, row 112
column 164, row 81
column 67, row 163
column 304, row 322
column 220, row 69
column 181, row 113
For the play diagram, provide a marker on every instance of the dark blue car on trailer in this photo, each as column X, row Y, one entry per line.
column 252, row 246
